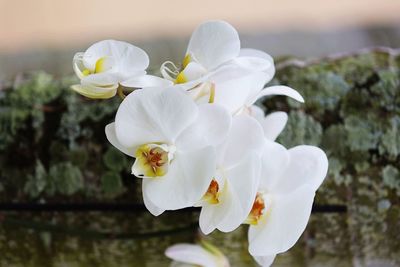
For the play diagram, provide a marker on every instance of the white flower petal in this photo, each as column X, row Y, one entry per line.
column 265, row 261
column 180, row 264
column 150, row 206
column 95, row 92
column 154, row 115
column 209, row 217
column 193, row 254
column 242, row 184
column 234, row 87
column 143, row 81
column 278, row 90
column 256, row 60
column 112, row 138
column 127, row 58
column 251, row 52
column 102, row 79
column 192, row 85
column 214, row 43
column 308, row 165
column 280, row 228
column 193, row 71
column 255, row 63
column 77, row 64
column 274, row 160
column 245, row 135
column 273, row 124
column 186, row 181
column 256, row 112
column 238, row 187
column 210, row 128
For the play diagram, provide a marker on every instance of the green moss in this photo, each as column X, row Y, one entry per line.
column 36, row 183
column 115, row 160
column 334, row 141
column 111, row 184
column 390, row 141
column 67, row 178
column 362, row 134
column 391, row 177
column 301, row 129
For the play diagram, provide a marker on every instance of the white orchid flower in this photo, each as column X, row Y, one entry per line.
column 289, row 179
column 173, row 142
column 204, row 255
column 213, row 57
column 233, row 189
column 108, row 64
column 215, row 44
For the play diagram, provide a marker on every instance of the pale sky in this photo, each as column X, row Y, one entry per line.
column 27, row 24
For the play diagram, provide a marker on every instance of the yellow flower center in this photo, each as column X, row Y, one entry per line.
column 181, row 78
column 152, row 160
column 256, row 211
column 186, row 61
column 100, row 66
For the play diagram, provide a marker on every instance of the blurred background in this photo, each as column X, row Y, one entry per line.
column 44, row 34
column 53, row 149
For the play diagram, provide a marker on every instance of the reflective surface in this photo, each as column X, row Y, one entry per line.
column 111, row 240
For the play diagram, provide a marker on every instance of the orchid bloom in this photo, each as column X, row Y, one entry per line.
column 173, row 141
column 108, row 64
column 214, row 57
column 231, row 193
column 204, row 255
column 281, row 210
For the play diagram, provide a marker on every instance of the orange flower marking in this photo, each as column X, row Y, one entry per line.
column 211, row 196
column 153, row 160
column 256, row 211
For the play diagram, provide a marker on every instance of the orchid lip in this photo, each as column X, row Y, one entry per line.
column 212, row 194
column 257, row 211
column 153, row 160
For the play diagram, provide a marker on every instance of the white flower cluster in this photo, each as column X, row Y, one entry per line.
column 199, row 140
